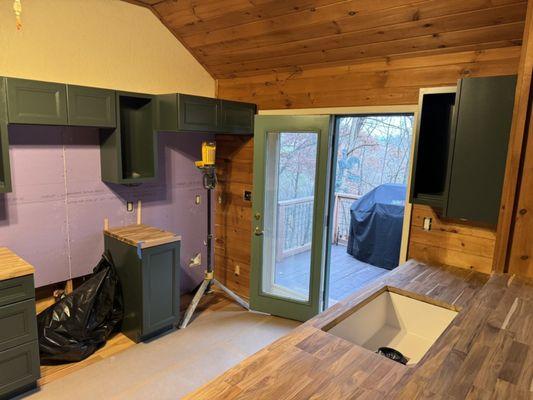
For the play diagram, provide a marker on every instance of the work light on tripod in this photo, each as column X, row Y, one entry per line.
column 209, row 179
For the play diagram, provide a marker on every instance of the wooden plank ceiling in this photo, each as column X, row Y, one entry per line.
column 239, row 38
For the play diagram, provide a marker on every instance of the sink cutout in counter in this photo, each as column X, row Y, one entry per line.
column 394, row 320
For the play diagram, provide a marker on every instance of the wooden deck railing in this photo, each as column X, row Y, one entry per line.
column 295, row 220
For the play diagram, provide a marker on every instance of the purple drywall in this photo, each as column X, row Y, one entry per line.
column 54, row 216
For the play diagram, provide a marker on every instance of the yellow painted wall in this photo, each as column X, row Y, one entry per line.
column 101, row 43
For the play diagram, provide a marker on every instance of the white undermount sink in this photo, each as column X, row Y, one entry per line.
column 398, row 321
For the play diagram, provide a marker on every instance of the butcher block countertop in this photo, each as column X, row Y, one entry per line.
column 12, row 266
column 484, row 354
column 141, row 235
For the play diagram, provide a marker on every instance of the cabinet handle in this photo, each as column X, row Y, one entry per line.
column 258, row 231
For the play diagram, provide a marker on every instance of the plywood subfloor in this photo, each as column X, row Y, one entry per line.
column 115, row 345
column 221, row 335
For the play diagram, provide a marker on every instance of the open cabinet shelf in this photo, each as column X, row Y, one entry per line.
column 128, row 153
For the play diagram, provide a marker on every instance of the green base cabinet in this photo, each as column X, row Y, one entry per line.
column 150, row 285
column 19, row 347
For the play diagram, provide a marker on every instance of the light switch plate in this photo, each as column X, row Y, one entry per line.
column 427, row 223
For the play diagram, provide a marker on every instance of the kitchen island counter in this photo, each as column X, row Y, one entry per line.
column 484, row 353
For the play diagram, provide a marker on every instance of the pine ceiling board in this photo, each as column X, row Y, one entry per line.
column 238, row 38
column 256, row 10
column 325, row 14
column 444, row 52
column 431, row 26
column 402, row 89
column 193, row 14
column 382, row 64
column 508, row 32
column 383, row 22
column 418, row 76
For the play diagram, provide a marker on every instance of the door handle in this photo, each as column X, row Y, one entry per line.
column 258, row 231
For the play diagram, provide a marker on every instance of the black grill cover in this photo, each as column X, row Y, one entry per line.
column 376, row 221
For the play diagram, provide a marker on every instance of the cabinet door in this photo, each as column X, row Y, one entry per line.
column 237, row 117
column 33, row 102
column 18, row 324
column 16, row 289
column 19, row 367
column 198, row 113
column 91, row 107
column 160, row 281
column 483, row 124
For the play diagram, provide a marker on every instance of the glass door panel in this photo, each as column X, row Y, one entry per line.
column 291, row 166
column 291, row 162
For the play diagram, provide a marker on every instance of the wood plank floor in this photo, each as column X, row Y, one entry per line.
column 347, row 274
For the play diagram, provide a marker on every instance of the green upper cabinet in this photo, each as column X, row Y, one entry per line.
column 128, row 154
column 91, row 107
column 483, row 125
column 186, row 113
column 34, row 102
column 237, row 117
column 197, row 113
column 461, row 148
column 5, row 175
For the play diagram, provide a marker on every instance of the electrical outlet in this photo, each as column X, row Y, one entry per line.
column 129, row 206
column 427, row 223
column 197, row 199
column 237, row 269
column 196, row 260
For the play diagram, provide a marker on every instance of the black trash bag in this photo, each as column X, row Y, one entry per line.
column 81, row 322
column 393, row 354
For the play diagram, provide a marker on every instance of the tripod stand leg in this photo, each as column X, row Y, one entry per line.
column 237, row 299
column 194, row 303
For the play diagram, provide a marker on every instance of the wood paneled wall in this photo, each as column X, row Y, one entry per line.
column 391, row 81
column 386, row 81
column 233, row 215
column 450, row 242
column 515, row 234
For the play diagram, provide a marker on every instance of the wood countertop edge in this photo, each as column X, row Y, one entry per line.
column 18, row 268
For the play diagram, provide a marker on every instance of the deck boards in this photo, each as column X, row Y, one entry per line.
column 347, row 273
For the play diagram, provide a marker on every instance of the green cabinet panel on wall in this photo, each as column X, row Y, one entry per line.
column 187, row 113
column 91, row 107
column 34, row 102
column 150, row 286
column 197, row 113
column 482, row 131
column 461, row 148
column 237, row 117
column 5, row 171
column 129, row 153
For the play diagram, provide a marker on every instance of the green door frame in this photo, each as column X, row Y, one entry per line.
column 264, row 302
